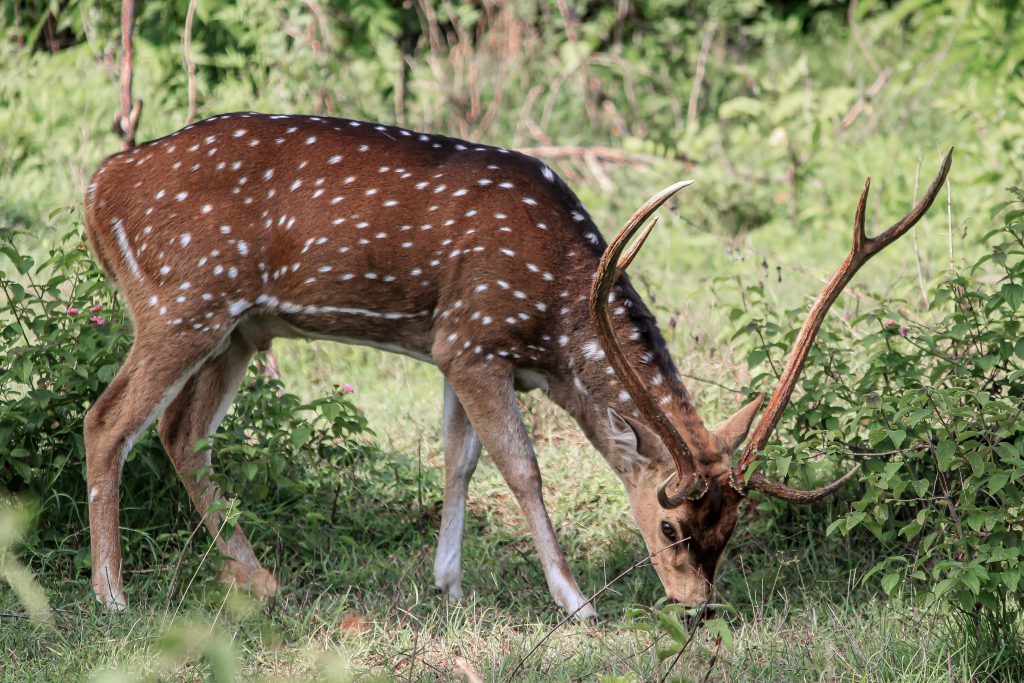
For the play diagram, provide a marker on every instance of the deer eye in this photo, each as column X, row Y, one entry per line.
column 669, row 531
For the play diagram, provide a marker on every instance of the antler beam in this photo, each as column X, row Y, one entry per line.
column 613, row 264
column 863, row 249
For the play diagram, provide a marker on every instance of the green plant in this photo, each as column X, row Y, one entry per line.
column 287, row 465
column 933, row 408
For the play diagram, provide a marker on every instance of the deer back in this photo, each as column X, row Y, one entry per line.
column 344, row 229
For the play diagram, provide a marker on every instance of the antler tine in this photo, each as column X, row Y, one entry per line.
column 608, row 273
column 761, row 483
column 863, row 249
column 631, row 253
column 859, row 236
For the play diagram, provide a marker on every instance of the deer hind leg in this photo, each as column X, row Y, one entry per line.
column 195, row 414
column 461, row 453
column 145, row 384
column 486, row 392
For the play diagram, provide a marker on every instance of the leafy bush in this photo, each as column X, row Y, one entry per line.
column 934, row 408
column 63, row 335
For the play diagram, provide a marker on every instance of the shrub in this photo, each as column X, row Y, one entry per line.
column 63, row 336
column 934, row 408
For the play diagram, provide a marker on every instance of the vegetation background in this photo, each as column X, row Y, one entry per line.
column 779, row 110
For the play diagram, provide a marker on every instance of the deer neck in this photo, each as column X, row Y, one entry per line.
column 588, row 386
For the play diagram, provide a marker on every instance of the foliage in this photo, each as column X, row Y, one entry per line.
column 773, row 105
column 63, row 336
column 933, row 410
column 778, row 108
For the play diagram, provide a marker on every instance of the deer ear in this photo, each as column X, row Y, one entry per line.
column 734, row 431
column 626, row 439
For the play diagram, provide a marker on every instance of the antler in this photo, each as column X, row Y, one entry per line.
column 608, row 272
column 863, row 249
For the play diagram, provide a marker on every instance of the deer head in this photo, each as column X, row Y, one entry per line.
column 682, row 482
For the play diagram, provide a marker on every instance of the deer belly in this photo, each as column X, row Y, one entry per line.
column 348, row 325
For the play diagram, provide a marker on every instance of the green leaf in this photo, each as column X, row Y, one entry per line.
column 997, row 481
column 944, row 454
column 720, row 628
column 249, row 470
column 1013, row 294
column 669, row 621
column 977, row 462
column 300, row 435
column 897, row 436
column 889, row 582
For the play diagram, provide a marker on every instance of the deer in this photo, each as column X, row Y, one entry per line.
column 246, row 227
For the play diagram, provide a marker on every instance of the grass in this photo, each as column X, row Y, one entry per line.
column 364, row 607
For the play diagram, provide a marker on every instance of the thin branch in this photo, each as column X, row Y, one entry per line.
column 698, row 77
column 949, row 220
column 917, row 249
column 865, row 49
column 711, row 381
column 858, row 108
column 631, row 568
column 190, row 67
column 609, row 154
column 126, row 121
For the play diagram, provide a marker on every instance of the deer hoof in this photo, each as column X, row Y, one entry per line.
column 259, row 581
column 586, row 614
column 112, row 601
column 110, row 596
column 452, row 590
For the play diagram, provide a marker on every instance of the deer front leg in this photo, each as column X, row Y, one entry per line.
column 486, row 392
column 461, row 453
column 195, row 414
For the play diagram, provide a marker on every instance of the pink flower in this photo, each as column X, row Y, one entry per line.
column 96, row 309
column 71, row 310
column 98, row 320
column 348, row 388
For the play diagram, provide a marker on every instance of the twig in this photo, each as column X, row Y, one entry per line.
column 714, row 658
column 127, row 119
column 598, row 172
column 519, row 665
column 181, row 557
column 695, row 378
column 917, row 250
column 611, row 154
column 698, row 77
column 686, row 645
column 190, row 67
column 862, row 103
column 855, row 32
column 636, row 565
column 949, row 219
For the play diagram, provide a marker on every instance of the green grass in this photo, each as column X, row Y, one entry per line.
column 365, row 606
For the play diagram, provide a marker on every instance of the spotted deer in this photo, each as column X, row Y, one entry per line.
column 480, row 260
